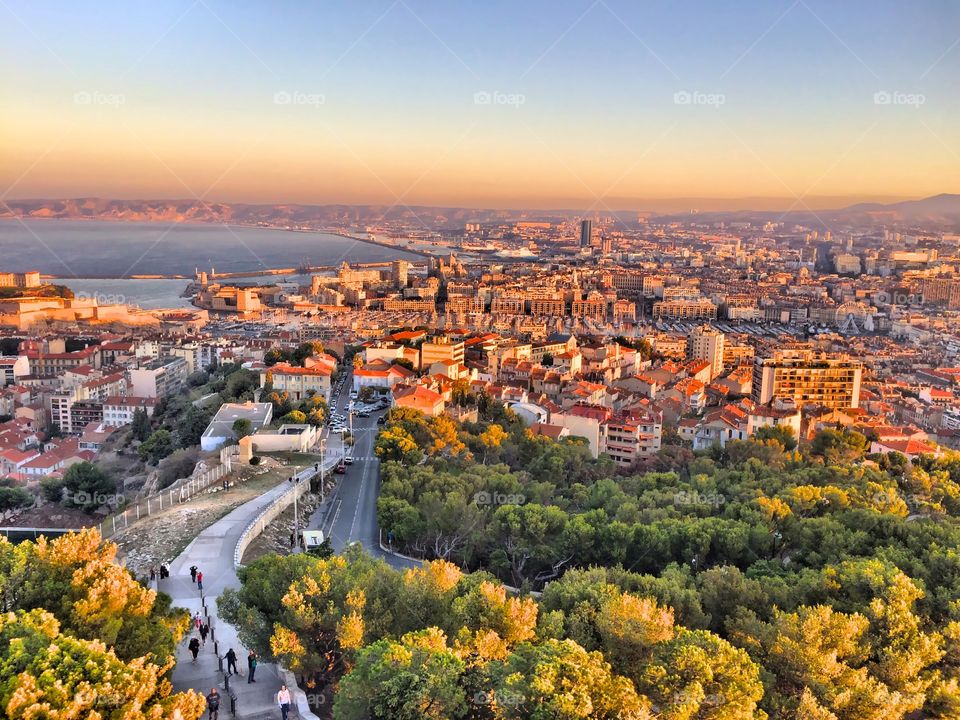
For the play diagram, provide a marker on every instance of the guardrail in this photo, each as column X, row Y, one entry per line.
column 281, row 503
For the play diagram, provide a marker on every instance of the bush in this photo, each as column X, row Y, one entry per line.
column 52, row 489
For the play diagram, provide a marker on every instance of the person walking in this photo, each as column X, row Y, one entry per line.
column 232, row 662
column 199, row 580
column 193, row 573
column 204, row 631
column 196, row 620
column 251, row 666
column 283, row 700
column 213, row 704
column 194, row 647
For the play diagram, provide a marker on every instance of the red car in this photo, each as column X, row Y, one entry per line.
column 340, row 469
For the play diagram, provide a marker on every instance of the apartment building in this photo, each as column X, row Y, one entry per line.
column 440, row 349
column 118, row 410
column 541, row 306
column 707, row 343
column 299, row 382
column 159, row 378
column 630, row 438
column 808, row 378
column 684, row 310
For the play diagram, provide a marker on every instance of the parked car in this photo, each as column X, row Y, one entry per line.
column 340, row 469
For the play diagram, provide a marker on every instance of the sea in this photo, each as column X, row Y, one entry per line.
column 100, row 258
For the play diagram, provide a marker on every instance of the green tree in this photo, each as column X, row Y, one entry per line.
column 87, row 486
column 241, row 428
column 395, row 443
column 191, row 427
column 15, row 497
column 157, row 446
column 559, row 679
column 45, row 673
column 140, row 427
column 417, row 677
column 782, row 434
column 294, row 417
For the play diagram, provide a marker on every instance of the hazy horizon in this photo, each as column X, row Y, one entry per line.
column 664, row 205
column 538, row 105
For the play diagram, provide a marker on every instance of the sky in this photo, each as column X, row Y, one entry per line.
column 586, row 104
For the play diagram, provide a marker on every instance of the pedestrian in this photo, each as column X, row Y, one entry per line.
column 204, row 630
column 153, row 573
column 199, row 581
column 292, row 539
column 213, row 704
column 196, row 620
column 193, row 573
column 164, row 572
column 283, row 700
column 251, row 666
column 232, row 662
column 194, row 647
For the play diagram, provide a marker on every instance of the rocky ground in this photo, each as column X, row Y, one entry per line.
column 276, row 536
column 162, row 536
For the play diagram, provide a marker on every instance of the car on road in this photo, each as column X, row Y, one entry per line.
column 348, row 459
column 382, row 420
column 340, row 469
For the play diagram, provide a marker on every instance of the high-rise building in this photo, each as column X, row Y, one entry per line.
column 808, row 377
column 586, row 232
column 399, row 271
column 708, row 343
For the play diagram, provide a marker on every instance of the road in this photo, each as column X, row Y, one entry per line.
column 350, row 514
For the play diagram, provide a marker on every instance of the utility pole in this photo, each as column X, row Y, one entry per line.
column 296, row 517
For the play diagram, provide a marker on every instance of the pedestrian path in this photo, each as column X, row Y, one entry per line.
column 212, row 551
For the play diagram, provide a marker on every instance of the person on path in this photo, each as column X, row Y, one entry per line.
column 194, row 647
column 213, row 704
column 283, row 700
column 193, row 573
column 251, row 666
column 196, row 620
column 204, row 630
column 199, row 581
column 153, row 573
column 232, row 662
column 164, row 573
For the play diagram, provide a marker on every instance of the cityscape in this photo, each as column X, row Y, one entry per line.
column 488, row 362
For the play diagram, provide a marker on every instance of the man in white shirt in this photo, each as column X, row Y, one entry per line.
column 283, row 700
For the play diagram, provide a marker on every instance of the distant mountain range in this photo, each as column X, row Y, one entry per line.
column 937, row 212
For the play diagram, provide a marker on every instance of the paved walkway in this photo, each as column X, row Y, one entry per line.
column 213, row 553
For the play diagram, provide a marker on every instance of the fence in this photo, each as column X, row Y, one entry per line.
column 179, row 492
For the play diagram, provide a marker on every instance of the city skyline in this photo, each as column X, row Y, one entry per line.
column 599, row 106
